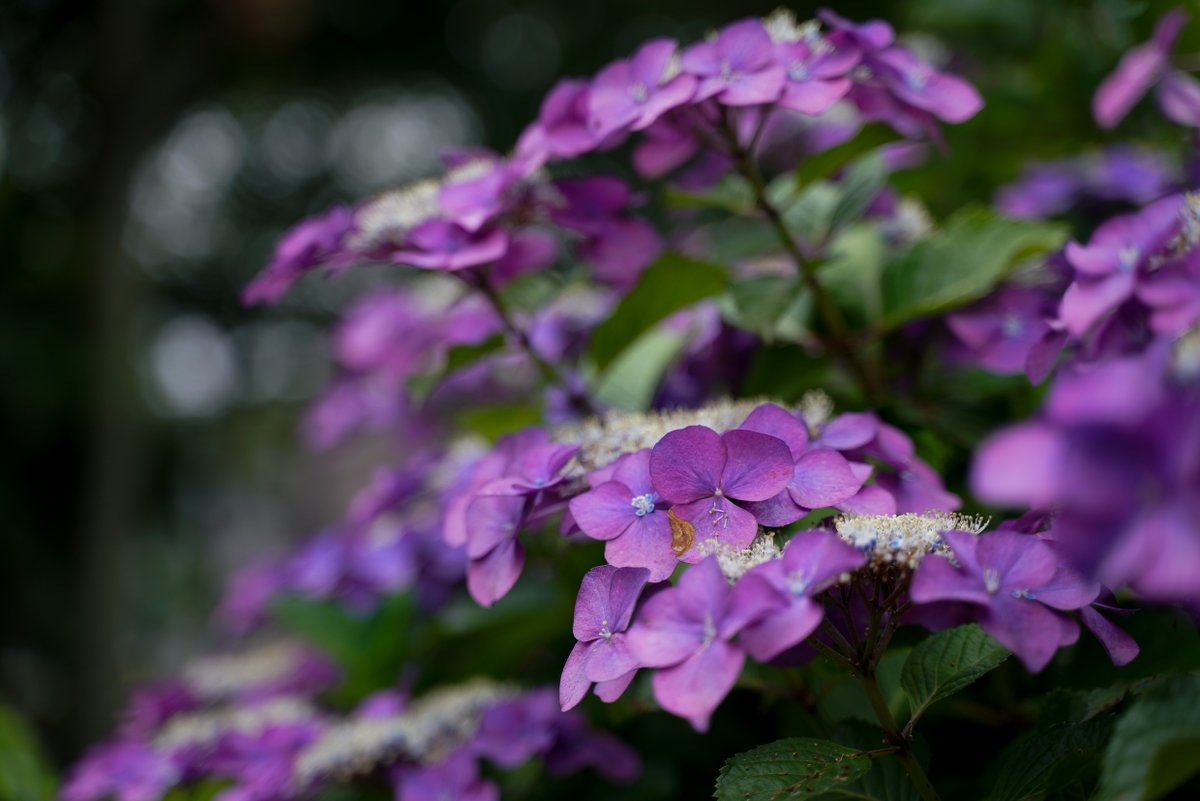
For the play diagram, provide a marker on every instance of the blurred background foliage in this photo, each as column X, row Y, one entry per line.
column 150, row 153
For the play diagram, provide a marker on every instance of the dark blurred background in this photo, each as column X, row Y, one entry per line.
column 150, row 153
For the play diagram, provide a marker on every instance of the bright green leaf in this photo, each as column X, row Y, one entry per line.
column 672, row 283
column 630, row 382
column 1155, row 745
column 961, row 264
column 946, row 662
column 789, row 770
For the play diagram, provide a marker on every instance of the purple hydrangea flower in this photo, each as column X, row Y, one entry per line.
column 999, row 332
column 310, row 244
column 817, row 72
column 456, row 777
column 630, row 516
column 632, row 94
column 444, row 245
column 703, row 474
column 561, row 130
column 811, row 561
column 686, row 631
column 576, row 747
column 124, row 770
column 603, row 610
column 261, row 763
column 515, row 730
column 1017, row 585
column 736, row 67
column 1109, row 266
column 1143, row 67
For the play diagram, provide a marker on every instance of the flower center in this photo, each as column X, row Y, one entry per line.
column 991, row 580
column 1012, row 326
column 710, row 629
column 605, row 632
column 797, row 583
column 1128, row 258
column 798, row 71
column 642, row 504
column 1026, row 594
column 638, row 92
column 916, row 79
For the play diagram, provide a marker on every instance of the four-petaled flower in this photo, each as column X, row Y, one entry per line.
column 602, row 613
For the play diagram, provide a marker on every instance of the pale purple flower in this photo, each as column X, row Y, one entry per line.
column 561, row 130
column 444, row 245
column 1108, row 268
column 686, row 631
column 515, row 730
column 703, row 474
column 634, row 93
column 867, row 37
column 123, row 770
column 916, row 84
column 455, row 778
column 630, row 516
column 816, row 74
column 811, row 561
column 260, row 763
column 1017, row 585
column 603, row 609
column 736, row 67
column 1118, row 174
column 151, row 706
column 576, row 747
column 1143, row 67
column 998, row 332
column 310, row 244
column 664, row 147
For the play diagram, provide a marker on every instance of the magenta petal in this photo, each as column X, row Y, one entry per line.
column 574, row 683
column 687, row 464
column 935, row 579
column 633, row 470
column 780, row 631
column 646, row 543
column 1028, row 629
column 780, row 423
column 1179, row 98
column 609, row 691
column 756, row 89
column 755, row 596
column 592, row 604
column 696, row 687
column 1022, row 560
column 627, row 585
column 605, row 512
column 1067, row 590
column 489, row 579
column 758, row 466
column 820, row 556
column 1118, row 93
column 821, row 478
column 609, row 659
column 814, row 97
column 1021, row 466
column 1120, row 646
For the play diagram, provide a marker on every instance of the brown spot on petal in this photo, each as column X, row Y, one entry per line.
column 683, row 534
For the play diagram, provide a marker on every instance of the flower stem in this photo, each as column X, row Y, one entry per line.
column 838, row 339
column 897, row 740
column 551, row 374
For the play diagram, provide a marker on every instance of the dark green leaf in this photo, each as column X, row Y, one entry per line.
column 672, row 283
column 1048, row 760
column 1155, row 745
column 830, row 161
column 789, row 770
column 946, row 662
column 974, row 252
column 858, row 187
column 775, row 307
column 732, row 193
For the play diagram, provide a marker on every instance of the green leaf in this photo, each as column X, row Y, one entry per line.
column 24, row 774
column 672, row 283
column 851, row 276
column 775, row 307
column 1155, row 745
column 789, row 770
column 946, row 662
column 1048, row 760
column 858, row 187
column 828, row 162
column 630, row 382
column 886, row 780
column 732, row 193
column 961, row 263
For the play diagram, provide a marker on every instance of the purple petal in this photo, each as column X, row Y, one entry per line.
column 813, row 97
column 1179, row 98
column 822, row 478
column 779, row 423
column 776, row 633
column 609, row 691
column 935, row 579
column 1120, row 646
column 686, row 465
column 696, row 687
column 870, row 501
column 1022, row 560
column 720, row 521
column 1067, row 590
column 492, row 519
column 820, row 556
column 489, row 579
column 626, row 586
column 1028, row 629
column 1020, row 466
column 605, row 512
column 777, row 511
column 758, row 465
column 1137, row 72
column 574, row 683
column 646, row 543
column 609, row 659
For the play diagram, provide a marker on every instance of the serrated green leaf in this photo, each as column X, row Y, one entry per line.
column 1034, row 765
column 974, row 251
column 672, row 283
column 1155, row 745
column 789, row 770
column 886, row 780
column 946, row 662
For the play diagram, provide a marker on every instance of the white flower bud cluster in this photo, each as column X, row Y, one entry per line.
column 203, row 729
column 602, row 440
column 226, row 675
column 891, row 541
column 734, row 562
column 427, row 730
column 386, row 218
column 1185, row 358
